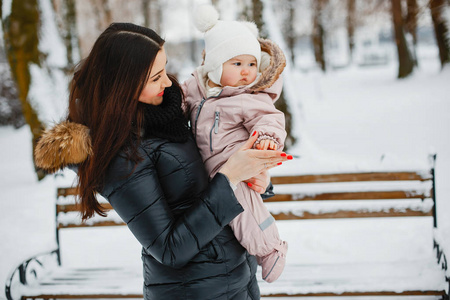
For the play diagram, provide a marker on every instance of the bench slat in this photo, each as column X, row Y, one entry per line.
column 368, row 195
column 64, row 208
column 80, row 225
column 352, row 214
column 350, row 177
column 350, row 294
column 364, row 278
column 290, row 216
column 83, row 296
column 71, row 191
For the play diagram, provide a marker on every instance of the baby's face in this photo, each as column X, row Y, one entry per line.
column 240, row 70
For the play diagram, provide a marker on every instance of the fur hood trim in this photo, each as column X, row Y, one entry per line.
column 277, row 64
column 65, row 144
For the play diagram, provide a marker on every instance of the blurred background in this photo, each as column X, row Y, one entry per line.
column 42, row 40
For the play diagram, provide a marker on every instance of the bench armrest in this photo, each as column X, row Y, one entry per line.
column 29, row 271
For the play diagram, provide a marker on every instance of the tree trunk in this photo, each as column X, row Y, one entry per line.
column 158, row 16
column 66, row 19
column 411, row 25
column 291, row 38
column 282, row 105
column 257, row 9
column 441, row 30
column 21, row 43
column 318, row 34
column 146, row 12
column 193, row 43
column 405, row 60
column 351, row 24
column 411, row 19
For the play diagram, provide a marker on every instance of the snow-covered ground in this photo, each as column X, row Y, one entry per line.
column 353, row 119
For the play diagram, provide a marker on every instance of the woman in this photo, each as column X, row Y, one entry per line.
column 130, row 142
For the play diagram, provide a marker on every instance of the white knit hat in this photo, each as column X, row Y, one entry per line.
column 225, row 40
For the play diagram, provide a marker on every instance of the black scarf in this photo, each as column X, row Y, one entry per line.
column 166, row 120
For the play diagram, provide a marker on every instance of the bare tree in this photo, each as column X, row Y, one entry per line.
column 21, row 41
column 441, row 29
column 156, row 15
column 66, row 20
column 318, row 33
column 351, row 24
column 411, row 24
column 146, row 12
column 257, row 8
column 290, row 31
column 10, row 106
column 411, row 19
column 405, row 60
column 245, row 12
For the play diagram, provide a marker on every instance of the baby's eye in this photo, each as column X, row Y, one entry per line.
column 237, row 63
column 252, row 64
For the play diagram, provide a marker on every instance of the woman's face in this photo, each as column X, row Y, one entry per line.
column 154, row 88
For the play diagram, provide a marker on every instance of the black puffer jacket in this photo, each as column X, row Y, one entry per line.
column 189, row 251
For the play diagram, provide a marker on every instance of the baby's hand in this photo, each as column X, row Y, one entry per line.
column 266, row 145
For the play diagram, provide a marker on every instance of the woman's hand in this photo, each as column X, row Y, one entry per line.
column 259, row 182
column 246, row 162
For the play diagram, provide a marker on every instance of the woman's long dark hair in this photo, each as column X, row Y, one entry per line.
column 104, row 96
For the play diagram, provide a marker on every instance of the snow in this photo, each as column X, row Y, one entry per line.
column 6, row 8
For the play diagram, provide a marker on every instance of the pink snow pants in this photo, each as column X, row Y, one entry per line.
column 255, row 227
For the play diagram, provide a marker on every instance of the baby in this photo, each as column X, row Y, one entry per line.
column 227, row 99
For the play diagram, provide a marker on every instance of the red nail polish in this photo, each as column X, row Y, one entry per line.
column 289, row 157
column 249, row 184
column 254, row 132
column 283, row 154
column 279, row 163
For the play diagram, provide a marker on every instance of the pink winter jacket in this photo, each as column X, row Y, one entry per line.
column 221, row 124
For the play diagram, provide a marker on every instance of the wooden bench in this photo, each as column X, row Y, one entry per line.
column 298, row 198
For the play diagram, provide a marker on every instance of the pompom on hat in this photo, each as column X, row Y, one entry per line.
column 225, row 40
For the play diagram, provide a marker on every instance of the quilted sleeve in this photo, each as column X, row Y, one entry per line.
column 260, row 114
column 141, row 203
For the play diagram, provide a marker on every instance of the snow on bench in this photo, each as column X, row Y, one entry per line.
column 406, row 278
column 298, row 197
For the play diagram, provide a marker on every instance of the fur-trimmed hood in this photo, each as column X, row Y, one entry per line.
column 65, row 144
column 269, row 74
column 277, row 64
